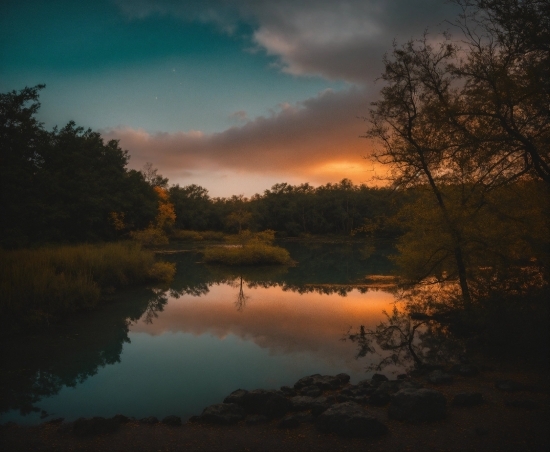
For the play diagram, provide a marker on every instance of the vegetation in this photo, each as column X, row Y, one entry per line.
column 249, row 249
column 464, row 125
column 40, row 285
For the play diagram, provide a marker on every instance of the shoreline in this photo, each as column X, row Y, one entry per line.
column 510, row 418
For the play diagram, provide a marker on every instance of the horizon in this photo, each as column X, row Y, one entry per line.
column 232, row 96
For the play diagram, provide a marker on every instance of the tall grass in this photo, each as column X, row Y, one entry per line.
column 250, row 254
column 250, row 249
column 38, row 285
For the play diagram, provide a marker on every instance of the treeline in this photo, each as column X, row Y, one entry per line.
column 69, row 185
column 291, row 210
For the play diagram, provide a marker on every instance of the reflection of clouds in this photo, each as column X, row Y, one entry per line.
column 281, row 321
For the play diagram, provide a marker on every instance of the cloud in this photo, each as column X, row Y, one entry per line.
column 342, row 40
column 318, row 138
column 239, row 116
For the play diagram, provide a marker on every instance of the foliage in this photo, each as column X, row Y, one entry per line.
column 42, row 284
column 252, row 249
column 150, row 237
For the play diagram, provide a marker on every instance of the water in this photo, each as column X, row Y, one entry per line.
column 177, row 349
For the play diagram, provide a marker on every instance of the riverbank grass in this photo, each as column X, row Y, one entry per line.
column 39, row 285
column 248, row 248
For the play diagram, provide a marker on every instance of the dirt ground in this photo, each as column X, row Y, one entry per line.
column 492, row 426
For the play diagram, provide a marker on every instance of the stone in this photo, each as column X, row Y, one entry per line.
column 301, row 403
column 402, row 377
column 324, row 382
column 151, row 420
column 311, row 391
column 121, row 419
column 236, row 397
column 288, row 391
column 57, row 420
column 94, row 426
column 379, row 398
column 294, row 420
column 222, row 413
column 344, row 378
column 378, row 378
column 364, row 383
column 350, row 419
column 256, row 419
column 356, row 391
column 321, row 404
column 260, row 401
column 465, row 370
column 467, row 399
column 438, row 377
column 390, row 386
column 172, row 420
column 417, row 405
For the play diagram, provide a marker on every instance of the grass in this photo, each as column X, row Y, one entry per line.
column 197, row 236
column 43, row 284
column 249, row 249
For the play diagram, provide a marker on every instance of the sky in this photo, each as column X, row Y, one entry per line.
column 232, row 95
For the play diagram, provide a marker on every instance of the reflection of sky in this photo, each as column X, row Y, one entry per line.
column 200, row 349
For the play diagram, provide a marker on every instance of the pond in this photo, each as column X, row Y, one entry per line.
column 175, row 350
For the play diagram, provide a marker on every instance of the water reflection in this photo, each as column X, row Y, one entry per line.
column 280, row 321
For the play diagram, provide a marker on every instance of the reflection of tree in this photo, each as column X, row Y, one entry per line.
column 155, row 305
column 41, row 365
column 241, row 297
column 421, row 333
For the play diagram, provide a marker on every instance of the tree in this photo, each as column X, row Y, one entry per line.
column 21, row 141
column 463, row 120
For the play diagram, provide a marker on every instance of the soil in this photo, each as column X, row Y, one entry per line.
column 492, row 426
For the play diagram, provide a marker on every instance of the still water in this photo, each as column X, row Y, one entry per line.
column 177, row 349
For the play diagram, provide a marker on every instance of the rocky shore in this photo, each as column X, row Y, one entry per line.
column 457, row 408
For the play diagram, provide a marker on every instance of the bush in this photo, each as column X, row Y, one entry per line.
column 186, row 236
column 38, row 285
column 150, row 237
column 249, row 254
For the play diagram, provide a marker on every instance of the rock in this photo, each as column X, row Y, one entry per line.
column 194, row 419
column 357, row 391
column 468, row 399
column 172, row 420
column 236, row 397
column 364, row 384
column 390, row 386
column 417, row 405
column 379, row 398
column 94, row 426
column 321, row 404
column 294, row 420
column 527, row 404
column 260, row 401
column 311, row 391
column 256, row 419
column 301, row 403
column 222, row 413
column 121, row 419
column 151, row 420
column 508, row 385
column 376, row 379
column 438, row 377
column 57, row 420
column 465, row 370
column 350, row 419
column 323, row 382
column 288, row 391
column 402, row 377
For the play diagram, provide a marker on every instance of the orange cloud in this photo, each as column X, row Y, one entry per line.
column 317, row 140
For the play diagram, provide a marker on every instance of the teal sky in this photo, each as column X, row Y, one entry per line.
column 233, row 95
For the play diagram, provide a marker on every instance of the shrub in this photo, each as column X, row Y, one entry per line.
column 249, row 254
column 38, row 285
column 187, row 236
column 150, row 237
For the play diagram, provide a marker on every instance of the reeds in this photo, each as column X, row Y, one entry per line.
column 255, row 253
column 38, row 285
